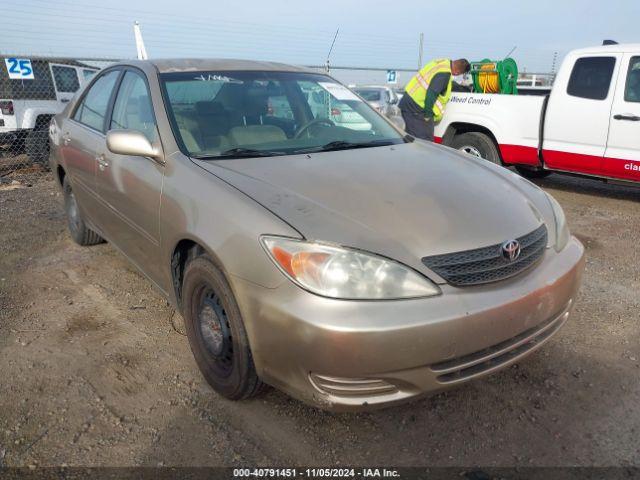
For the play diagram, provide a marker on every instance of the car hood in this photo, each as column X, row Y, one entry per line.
column 404, row 201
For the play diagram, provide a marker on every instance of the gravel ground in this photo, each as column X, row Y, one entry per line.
column 96, row 369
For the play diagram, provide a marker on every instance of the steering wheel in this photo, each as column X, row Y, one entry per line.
column 316, row 121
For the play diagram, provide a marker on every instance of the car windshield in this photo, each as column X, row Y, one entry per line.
column 250, row 113
column 369, row 95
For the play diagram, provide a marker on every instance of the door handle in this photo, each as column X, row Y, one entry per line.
column 64, row 100
column 66, row 139
column 627, row 116
column 102, row 163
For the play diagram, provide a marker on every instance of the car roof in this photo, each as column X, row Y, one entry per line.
column 167, row 65
column 617, row 48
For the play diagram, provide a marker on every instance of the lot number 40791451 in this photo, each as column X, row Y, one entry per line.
column 19, row 68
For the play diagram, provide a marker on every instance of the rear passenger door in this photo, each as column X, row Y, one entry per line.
column 622, row 159
column 130, row 186
column 577, row 118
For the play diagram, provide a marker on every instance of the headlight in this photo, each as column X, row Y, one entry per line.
column 562, row 230
column 343, row 273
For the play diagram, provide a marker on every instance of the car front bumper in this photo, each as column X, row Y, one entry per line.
column 353, row 355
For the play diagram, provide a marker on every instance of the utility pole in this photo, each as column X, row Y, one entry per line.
column 142, row 52
column 553, row 65
column 420, row 50
column 327, row 66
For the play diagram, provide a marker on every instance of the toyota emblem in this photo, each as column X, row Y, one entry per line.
column 511, row 250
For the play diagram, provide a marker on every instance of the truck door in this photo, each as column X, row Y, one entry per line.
column 577, row 118
column 66, row 81
column 622, row 158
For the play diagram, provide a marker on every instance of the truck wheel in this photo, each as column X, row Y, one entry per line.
column 532, row 172
column 477, row 144
column 216, row 332
column 79, row 231
column 36, row 145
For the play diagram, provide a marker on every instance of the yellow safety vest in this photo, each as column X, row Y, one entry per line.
column 418, row 85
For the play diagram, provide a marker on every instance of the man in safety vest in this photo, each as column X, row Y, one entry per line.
column 426, row 95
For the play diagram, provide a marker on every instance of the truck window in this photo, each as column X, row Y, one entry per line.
column 93, row 108
column 66, row 79
column 632, row 89
column 591, row 77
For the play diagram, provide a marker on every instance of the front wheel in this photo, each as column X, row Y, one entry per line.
column 477, row 144
column 216, row 332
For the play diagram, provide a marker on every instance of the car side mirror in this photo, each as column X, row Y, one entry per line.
column 131, row 142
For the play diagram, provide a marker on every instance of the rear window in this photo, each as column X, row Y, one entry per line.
column 591, row 77
column 632, row 88
column 369, row 95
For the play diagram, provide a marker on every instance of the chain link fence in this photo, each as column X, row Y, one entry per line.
column 32, row 91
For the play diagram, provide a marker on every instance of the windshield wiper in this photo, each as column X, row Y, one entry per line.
column 343, row 145
column 240, row 152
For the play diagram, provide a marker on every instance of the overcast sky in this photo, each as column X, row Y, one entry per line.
column 372, row 33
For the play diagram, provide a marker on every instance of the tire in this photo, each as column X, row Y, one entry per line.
column 36, row 146
column 79, row 231
column 477, row 144
column 216, row 332
column 530, row 172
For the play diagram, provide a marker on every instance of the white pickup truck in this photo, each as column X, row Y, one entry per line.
column 32, row 91
column 589, row 124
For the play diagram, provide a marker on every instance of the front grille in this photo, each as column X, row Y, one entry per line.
column 487, row 264
column 473, row 364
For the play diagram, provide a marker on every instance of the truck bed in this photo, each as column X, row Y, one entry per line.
column 513, row 120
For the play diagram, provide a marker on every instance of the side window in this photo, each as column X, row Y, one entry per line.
column 133, row 109
column 88, row 74
column 632, row 88
column 93, row 108
column 66, row 79
column 591, row 77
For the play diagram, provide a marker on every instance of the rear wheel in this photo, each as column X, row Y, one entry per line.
column 216, row 332
column 477, row 144
column 532, row 172
column 79, row 231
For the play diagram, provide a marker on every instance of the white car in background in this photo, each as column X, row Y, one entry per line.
column 382, row 98
column 340, row 113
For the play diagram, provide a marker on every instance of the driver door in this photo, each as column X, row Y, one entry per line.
column 130, row 186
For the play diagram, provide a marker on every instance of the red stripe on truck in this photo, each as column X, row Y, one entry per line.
column 592, row 165
column 573, row 162
column 519, row 154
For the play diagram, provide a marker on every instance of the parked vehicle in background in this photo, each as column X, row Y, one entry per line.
column 351, row 268
column 589, row 124
column 32, row 91
column 324, row 105
column 382, row 98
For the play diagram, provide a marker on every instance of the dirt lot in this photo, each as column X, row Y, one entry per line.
column 95, row 369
